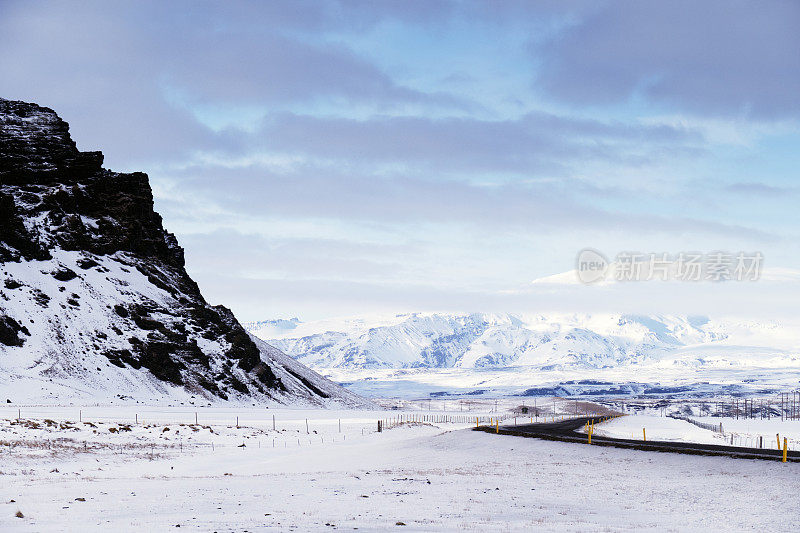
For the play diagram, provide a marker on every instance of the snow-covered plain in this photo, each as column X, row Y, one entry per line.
column 657, row 428
column 745, row 432
column 709, row 382
column 424, row 476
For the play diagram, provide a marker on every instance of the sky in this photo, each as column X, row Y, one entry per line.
column 330, row 158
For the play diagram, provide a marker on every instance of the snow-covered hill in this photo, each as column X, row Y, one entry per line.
column 95, row 302
column 557, row 341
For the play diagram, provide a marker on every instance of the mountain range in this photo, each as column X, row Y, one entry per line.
column 428, row 352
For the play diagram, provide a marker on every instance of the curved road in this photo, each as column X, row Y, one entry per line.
column 566, row 431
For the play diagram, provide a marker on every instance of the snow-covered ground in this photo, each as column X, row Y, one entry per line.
column 745, row 432
column 657, row 428
column 425, row 476
column 620, row 381
column 164, row 428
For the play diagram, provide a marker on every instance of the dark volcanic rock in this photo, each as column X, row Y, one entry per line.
column 51, row 177
column 10, row 331
column 15, row 240
column 64, row 274
column 35, row 146
column 124, row 300
column 12, row 284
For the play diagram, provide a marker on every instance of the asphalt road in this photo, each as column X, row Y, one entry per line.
column 566, row 431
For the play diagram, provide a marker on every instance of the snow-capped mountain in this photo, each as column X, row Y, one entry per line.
column 482, row 341
column 94, row 298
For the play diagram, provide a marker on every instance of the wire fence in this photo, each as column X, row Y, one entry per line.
column 710, row 427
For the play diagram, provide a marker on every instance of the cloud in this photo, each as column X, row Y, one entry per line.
column 254, row 256
column 132, row 77
column 325, row 193
column 759, row 189
column 534, row 143
column 268, row 298
column 267, row 69
column 715, row 57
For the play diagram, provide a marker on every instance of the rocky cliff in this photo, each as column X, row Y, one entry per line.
column 94, row 297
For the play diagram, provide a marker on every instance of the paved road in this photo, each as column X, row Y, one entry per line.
column 566, row 431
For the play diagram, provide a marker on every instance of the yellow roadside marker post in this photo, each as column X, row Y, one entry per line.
column 590, row 436
column 497, row 426
column 644, row 435
column 778, row 436
column 784, row 450
column 476, row 421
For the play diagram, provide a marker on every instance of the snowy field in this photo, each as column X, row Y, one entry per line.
column 745, row 432
column 416, row 382
column 657, row 428
column 67, row 474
